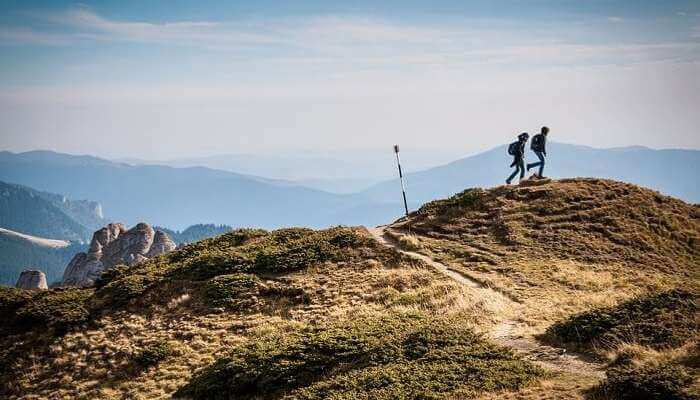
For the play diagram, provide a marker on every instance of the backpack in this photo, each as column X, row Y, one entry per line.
column 536, row 144
column 513, row 148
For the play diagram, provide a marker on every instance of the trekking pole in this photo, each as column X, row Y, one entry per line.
column 403, row 185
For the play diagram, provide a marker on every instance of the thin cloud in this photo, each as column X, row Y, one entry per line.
column 695, row 32
column 351, row 42
column 22, row 36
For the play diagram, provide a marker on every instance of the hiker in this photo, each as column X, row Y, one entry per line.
column 538, row 145
column 517, row 150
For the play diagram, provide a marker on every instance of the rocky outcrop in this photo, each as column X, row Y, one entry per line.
column 114, row 245
column 32, row 279
column 161, row 245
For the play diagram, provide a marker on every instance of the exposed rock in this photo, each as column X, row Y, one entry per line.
column 32, row 279
column 161, row 245
column 114, row 245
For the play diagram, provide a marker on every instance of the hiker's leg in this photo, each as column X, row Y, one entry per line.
column 542, row 158
column 536, row 164
column 510, row 178
column 521, row 168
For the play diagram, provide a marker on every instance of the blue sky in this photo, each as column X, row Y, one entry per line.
column 188, row 78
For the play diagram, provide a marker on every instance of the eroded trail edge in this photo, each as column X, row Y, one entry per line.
column 505, row 332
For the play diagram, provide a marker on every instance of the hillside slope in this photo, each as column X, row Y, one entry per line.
column 297, row 313
column 608, row 268
column 543, row 240
column 303, row 314
column 19, row 252
column 48, row 215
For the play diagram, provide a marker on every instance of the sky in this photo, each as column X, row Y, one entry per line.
column 170, row 79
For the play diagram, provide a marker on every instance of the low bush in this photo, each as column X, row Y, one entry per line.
column 666, row 319
column 392, row 356
column 630, row 379
column 152, row 354
column 11, row 299
column 234, row 291
column 58, row 309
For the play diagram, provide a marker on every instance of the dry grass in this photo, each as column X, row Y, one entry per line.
column 97, row 362
column 561, row 247
column 409, row 242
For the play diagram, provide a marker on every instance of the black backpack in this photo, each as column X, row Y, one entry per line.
column 513, row 148
column 536, row 144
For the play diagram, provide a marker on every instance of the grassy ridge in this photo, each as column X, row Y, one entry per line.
column 242, row 251
column 386, row 357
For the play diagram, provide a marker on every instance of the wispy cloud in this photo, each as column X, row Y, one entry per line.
column 695, row 31
column 371, row 42
column 13, row 35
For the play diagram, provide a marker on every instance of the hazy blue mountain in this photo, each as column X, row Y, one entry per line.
column 180, row 197
column 672, row 172
column 332, row 171
column 176, row 197
column 195, row 233
column 19, row 252
column 48, row 215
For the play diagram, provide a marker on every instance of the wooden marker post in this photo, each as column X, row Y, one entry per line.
column 403, row 185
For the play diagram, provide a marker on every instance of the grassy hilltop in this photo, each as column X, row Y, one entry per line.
column 588, row 265
column 601, row 267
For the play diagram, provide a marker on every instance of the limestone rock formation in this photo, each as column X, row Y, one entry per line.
column 32, row 279
column 114, row 245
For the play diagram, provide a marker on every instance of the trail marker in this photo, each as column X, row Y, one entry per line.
column 403, row 185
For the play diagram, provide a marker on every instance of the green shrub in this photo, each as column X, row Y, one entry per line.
column 472, row 199
column 152, row 354
column 122, row 291
column 660, row 320
column 232, row 291
column 627, row 380
column 12, row 298
column 57, row 308
column 392, row 356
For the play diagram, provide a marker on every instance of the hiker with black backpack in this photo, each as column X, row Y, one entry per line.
column 517, row 150
column 538, row 145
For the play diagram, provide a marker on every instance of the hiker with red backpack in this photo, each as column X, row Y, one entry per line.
column 538, row 145
column 517, row 150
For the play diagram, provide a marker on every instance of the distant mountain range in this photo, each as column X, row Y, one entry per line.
column 173, row 197
column 332, row 171
column 48, row 215
column 672, row 172
column 180, row 197
column 195, row 233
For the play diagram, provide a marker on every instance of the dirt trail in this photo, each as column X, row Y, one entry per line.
column 506, row 331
